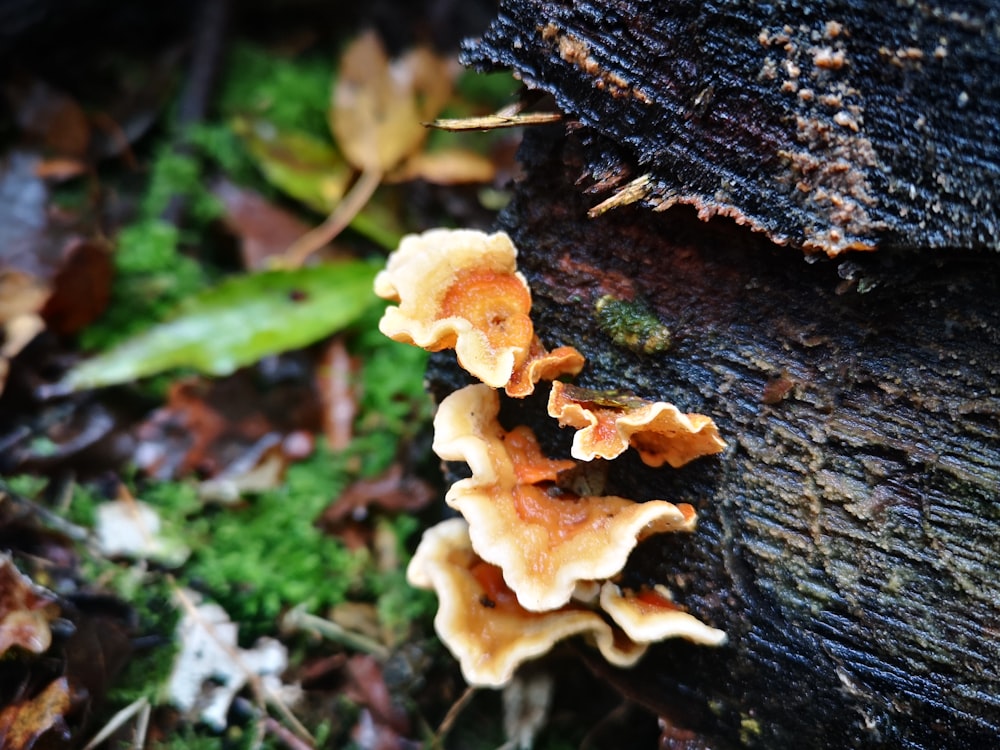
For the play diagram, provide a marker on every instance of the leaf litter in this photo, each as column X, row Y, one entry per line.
column 295, row 465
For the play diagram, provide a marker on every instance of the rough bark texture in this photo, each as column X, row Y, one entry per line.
column 830, row 125
column 847, row 541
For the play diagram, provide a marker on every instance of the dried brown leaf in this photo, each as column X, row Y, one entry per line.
column 49, row 118
column 391, row 491
column 337, row 394
column 367, row 687
column 265, row 230
column 22, row 724
column 454, row 166
column 81, row 287
column 223, row 425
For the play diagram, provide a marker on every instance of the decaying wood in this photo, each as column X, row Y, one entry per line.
column 847, row 541
column 830, row 125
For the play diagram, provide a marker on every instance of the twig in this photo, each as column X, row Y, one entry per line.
column 617, row 715
column 350, row 206
column 142, row 727
column 453, row 714
column 298, row 619
column 211, row 24
column 632, row 192
column 74, row 532
column 117, row 721
column 281, row 734
column 496, row 121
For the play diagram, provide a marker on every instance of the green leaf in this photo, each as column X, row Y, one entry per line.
column 300, row 165
column 238, row 322
column 311, row 171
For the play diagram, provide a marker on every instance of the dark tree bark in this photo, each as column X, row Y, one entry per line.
column 847, row 540
column 848, row 535
column 831, row 125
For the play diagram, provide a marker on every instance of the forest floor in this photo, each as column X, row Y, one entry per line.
column 204, row 535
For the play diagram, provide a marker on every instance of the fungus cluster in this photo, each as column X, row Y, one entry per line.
column 608, row 423
column 530, row 561
column 460, row 289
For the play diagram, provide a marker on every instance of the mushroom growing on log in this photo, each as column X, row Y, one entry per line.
column 847, row 535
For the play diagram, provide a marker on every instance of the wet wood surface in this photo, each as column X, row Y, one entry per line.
column 848, row 535
column 827, row 125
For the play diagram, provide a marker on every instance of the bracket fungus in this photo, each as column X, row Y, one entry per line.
column 460, row 289
column 530, row 561
column 545, row 539
column 542, row 364
column 651, row 616
column 480, row 620
column 608, row 423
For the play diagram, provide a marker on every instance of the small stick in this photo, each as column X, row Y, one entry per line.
column 298, row 619
column 117, row 721
column 632, row 192
column 453, row 714
column 142, row 727
column 495, row 121
column 351, row 205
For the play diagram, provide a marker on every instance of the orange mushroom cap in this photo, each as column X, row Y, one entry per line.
column 651, row 616
column 608, row 424
column 542, row 364
column 480, row 620
column 545, row 540
column 459, row 288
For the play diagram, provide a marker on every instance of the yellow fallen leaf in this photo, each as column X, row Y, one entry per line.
column 453, row 166
column 379, row 106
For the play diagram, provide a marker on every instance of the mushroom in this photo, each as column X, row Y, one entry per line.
column 542, row 364
column 545, row 539
column 609, row 422
column 459, row 288
column 480, row 620
column 650, row 616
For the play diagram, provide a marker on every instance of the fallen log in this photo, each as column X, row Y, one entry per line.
column 847, row 536
column 830, row 125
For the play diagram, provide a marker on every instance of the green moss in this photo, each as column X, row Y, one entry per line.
column 82, row 511
column 175, row 174
column 632, row 325
column 152, row 274
column 268, row 554
column 174, row 500
column 289, row 92
column 151, row 598
column 393, row 397
column 152, row 278
column 220, row 144
column 400, row 606
column 24, row 485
